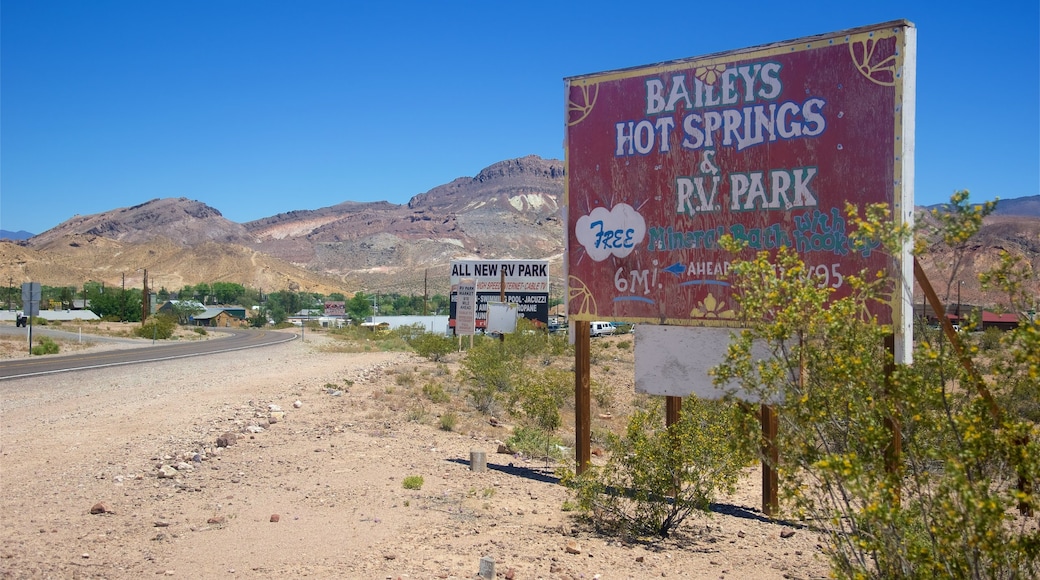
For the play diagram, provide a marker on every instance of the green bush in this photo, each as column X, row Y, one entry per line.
column 432, row 346
column 535, row 443
column 45, row 346
column 448, row 421
column 947, row 505
column 435, row 393
column 657, row 476
column 413, row 482
column 157, row 327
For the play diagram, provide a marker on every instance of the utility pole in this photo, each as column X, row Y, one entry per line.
column 145, row 300
column 425, row 291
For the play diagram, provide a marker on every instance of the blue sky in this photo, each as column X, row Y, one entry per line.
column 257, row 107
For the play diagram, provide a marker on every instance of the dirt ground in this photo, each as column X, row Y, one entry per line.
column 319, row 441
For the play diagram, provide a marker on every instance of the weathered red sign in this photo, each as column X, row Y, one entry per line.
column 766, row 144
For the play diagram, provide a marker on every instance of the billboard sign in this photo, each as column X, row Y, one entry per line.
column 765, row 144
column 526, row 285
column 335, row 308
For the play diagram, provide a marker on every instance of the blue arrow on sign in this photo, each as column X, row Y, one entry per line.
column 677, row 268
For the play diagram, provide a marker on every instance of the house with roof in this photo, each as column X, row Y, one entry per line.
column 220, row 317
column 1003, row 321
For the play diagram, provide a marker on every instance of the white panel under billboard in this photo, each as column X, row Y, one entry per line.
column 674, row 361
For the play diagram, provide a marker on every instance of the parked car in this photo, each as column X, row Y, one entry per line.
column 600, row 328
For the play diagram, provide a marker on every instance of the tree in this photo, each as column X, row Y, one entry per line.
column 359, row 306
column 227, row 292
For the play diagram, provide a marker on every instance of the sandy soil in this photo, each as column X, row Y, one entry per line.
column 319, row 491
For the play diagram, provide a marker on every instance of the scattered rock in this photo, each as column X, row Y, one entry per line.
column 275, row 518
column 297, row 404
column 161, row 524
column 640, row 559
column 787, row 534
column 168, row 472
column 572, row 547
column 277, row 415
column 227, row 440
column 216, row 520
column 273, row 407
column 100, row 508
column 390, row 556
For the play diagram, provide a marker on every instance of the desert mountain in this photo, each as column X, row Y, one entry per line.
column 508, row 210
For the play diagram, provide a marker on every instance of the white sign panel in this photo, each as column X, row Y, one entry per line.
column 466, row 307
column 674, row 361
column 502, row 317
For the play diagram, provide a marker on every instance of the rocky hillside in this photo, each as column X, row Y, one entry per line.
column 510, row 209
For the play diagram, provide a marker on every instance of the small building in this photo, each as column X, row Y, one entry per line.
column 221, row 317
column 1005, row 321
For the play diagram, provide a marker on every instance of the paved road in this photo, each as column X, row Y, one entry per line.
column 45, row 365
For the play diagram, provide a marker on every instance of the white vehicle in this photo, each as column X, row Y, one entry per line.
column 600, row 328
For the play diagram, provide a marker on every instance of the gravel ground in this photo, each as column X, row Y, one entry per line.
column 310, row 483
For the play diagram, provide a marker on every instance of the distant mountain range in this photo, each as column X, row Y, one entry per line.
column 511, row 209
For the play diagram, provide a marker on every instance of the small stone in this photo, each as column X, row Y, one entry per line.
column 273, row 407
column 167, row 472
column 640, row 559
column 216, row 520
column 504, row 449
column 99, row 508
column 272, row 420
column 572, row 547
column 390, row 556
column 279, row 415
column 510, row 574
column 297, row 404
column 227, row 440
column 161, row 524
column 741, row 534
column 275, row 518
column 787, row 534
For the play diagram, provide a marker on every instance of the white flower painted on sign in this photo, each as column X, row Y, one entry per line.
column 606, row 232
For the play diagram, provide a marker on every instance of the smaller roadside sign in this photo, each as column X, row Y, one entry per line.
column 31, row 296
column 466, row 307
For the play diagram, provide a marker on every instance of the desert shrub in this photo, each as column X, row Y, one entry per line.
column 199, row 330
column 448, row 421
column 432, row 346
column 947, row 504
column 158, row 327
column 602, row 393
column 405, row 379
column 489, row 370
column 535, row 443
column 413, row 482
column 45, row 346
column 435, row 393
column 657, row 476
